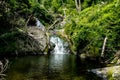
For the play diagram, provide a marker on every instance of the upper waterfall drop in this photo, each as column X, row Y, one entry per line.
column 60, row 45
column 39, row 24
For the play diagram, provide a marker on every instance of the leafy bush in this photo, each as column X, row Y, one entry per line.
column 88, row 29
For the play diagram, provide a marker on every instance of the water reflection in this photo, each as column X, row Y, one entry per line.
column 48, row 67
column 56, row 62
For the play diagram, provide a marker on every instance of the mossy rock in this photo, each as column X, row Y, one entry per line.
column 110, row 73
column 21, row 42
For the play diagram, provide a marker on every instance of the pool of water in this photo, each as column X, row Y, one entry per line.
column 50, row 67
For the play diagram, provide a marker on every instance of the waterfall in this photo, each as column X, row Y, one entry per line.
column 39, row 24
column 60, row 45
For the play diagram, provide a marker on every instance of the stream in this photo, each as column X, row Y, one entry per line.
column 59, row 65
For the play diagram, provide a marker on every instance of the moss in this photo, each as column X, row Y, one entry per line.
column 109, row 74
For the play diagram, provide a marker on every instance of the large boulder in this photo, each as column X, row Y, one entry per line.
column 31, row 40
column 39, row 36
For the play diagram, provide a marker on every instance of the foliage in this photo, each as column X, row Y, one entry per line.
column 88, row 29
column 11, row 11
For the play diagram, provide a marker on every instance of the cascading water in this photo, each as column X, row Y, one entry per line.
column 60, row 45
column 39, row 24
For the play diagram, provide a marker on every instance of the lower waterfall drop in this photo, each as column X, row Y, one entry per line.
column 61, row 47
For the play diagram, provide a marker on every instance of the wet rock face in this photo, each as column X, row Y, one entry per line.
column 39, row 36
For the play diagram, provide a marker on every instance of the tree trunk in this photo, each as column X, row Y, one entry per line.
column 78, row 5
column 103, row 48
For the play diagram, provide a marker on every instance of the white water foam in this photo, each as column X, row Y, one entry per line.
column 59, row 45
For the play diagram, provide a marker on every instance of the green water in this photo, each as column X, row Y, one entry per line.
column 50, row 67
